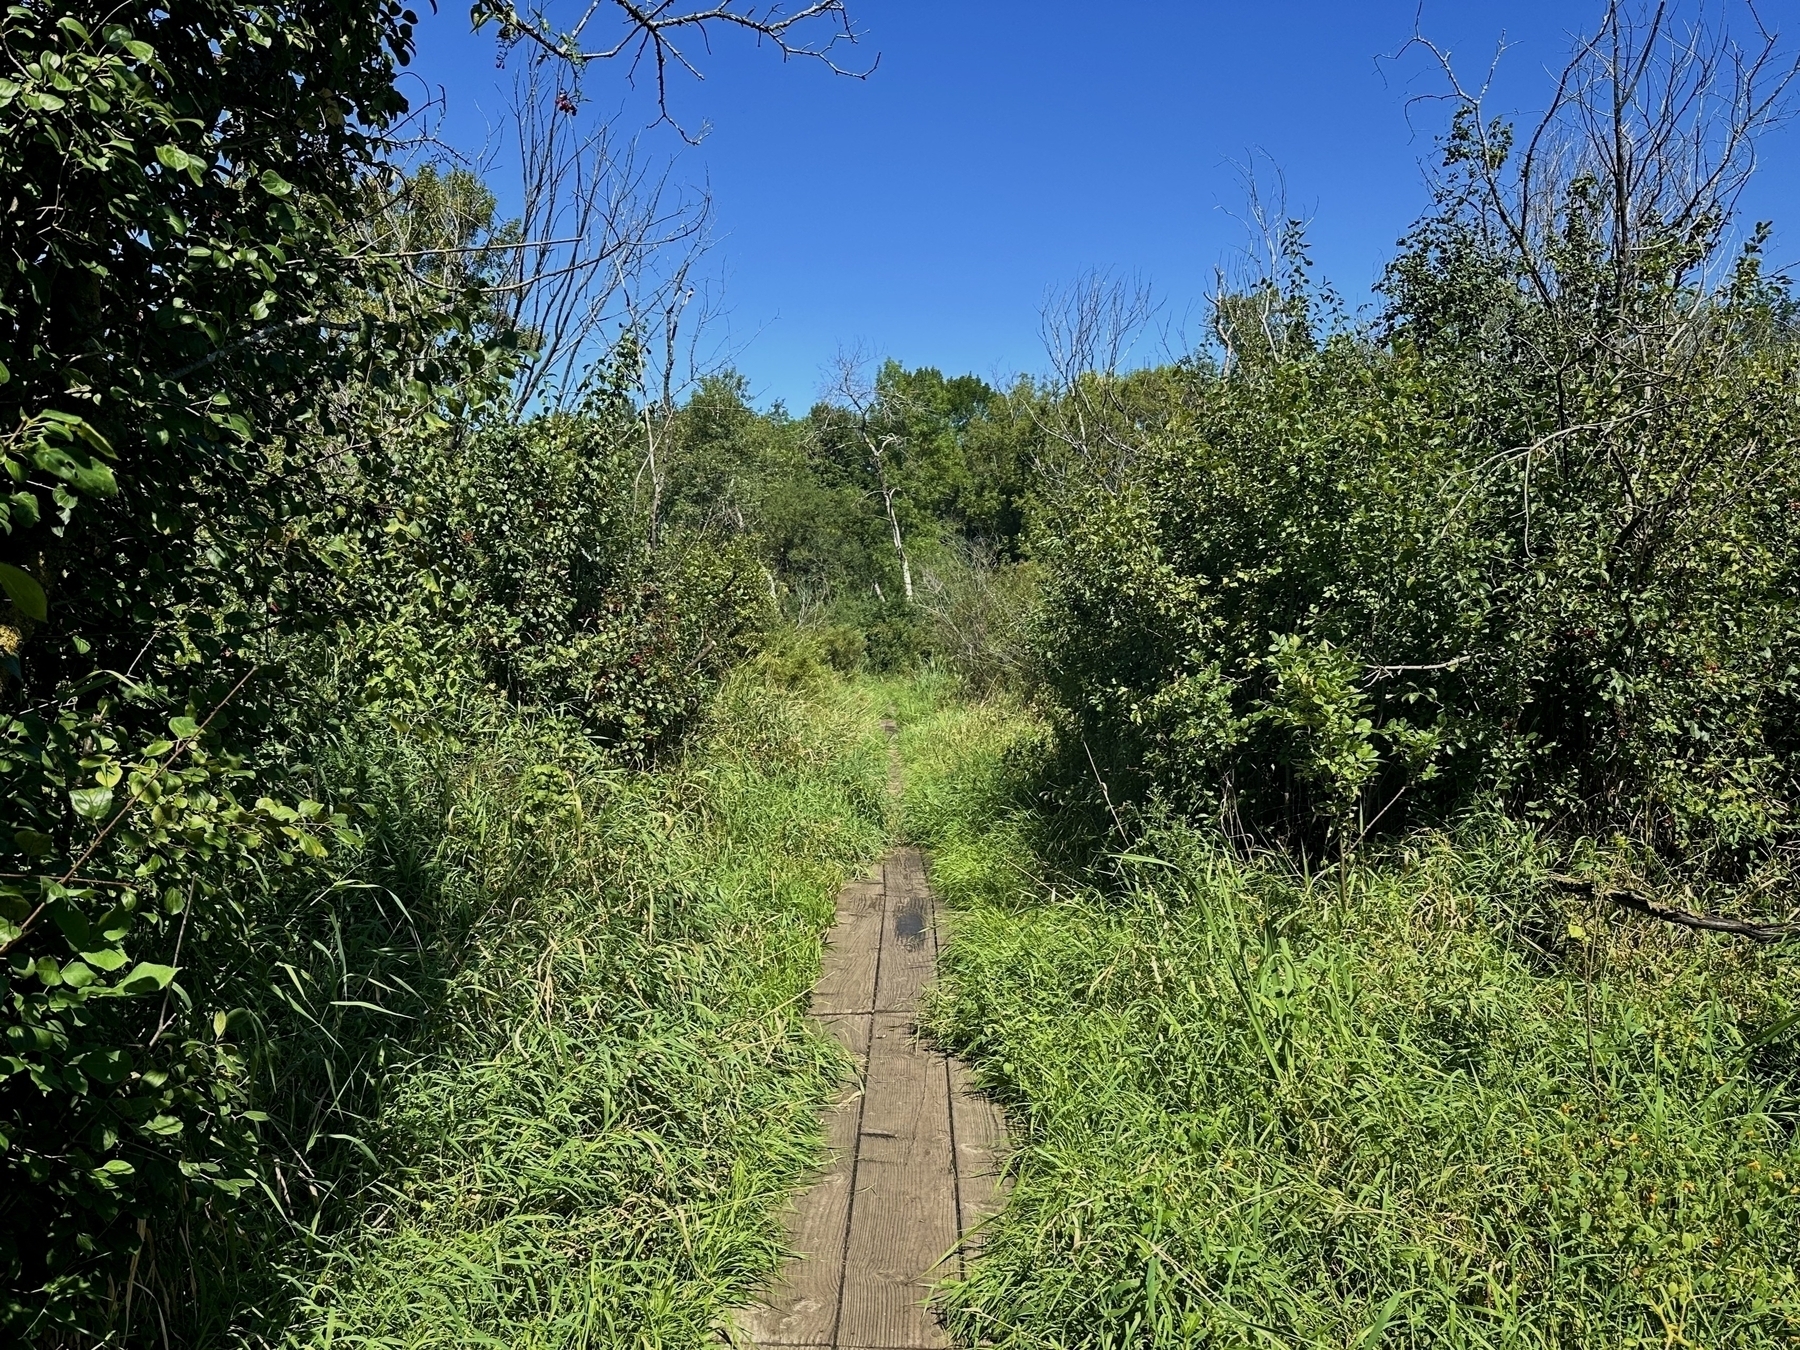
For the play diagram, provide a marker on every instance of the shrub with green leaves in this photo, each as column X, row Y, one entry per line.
column 1485, row 550
column 216, row 368
column 175, row 289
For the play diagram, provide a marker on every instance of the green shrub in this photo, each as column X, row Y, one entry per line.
column 1387, row 577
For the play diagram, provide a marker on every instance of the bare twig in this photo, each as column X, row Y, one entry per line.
column 657, row 31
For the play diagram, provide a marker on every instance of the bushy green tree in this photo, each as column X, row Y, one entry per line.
column 180, row 278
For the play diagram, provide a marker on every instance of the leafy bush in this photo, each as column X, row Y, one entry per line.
column 1381, row 576
column 178, row 283
column 238, row 435
column 554, row 590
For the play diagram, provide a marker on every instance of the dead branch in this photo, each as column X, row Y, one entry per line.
column 1763, row 931
column 862, row 395
column 634, row 240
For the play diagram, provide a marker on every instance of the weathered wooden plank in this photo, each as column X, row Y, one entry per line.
column 916, row 1157
column 801, row 1308
column 980, row 1153
column 909, row 935
column 903, row 1219
column 852, row 951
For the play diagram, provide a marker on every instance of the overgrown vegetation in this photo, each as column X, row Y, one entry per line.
column 428, row 756
column 1524, row 542
column 1430, row 1101
column 1395, row 678
column 334, row 622
column 585, row 1130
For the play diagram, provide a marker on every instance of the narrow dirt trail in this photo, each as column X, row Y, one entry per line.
column 915, row 1155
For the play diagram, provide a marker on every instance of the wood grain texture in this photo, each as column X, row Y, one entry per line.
column 916, row 1158
column 802, row 1309
column 852, row 951
column 981, row 1182
column 903, row 1220
column 909, row 935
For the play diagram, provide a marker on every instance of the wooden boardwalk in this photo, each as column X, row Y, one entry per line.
column 915, row 1155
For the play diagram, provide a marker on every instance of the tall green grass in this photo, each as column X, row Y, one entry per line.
column 1428, row 1103
column 589, row 1087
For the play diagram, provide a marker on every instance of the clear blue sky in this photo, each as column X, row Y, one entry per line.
column 1001, row 149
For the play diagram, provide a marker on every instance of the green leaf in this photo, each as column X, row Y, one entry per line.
column 145, row 978
column 114, row 924
column 274, row 184
column 165, row 1126
column 184, row 728
column 33, row 843
column 107, row 958
column 73, row 923
column 91, row 803
column 106, row 1066
column 23, row 590
column 84, row 429
column 81, row 472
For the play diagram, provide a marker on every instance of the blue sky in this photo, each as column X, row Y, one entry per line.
column 999, row 150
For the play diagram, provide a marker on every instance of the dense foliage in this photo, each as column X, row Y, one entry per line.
column 1478, row 553
column 264, row 478
column 175, row 247
column 350, row 680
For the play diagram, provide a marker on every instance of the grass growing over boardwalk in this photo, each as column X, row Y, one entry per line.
column 1428, row 1104
column 590, row 1142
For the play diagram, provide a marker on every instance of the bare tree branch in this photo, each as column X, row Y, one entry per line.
column 1756, row 931
column 856, row 390
column 657, row 32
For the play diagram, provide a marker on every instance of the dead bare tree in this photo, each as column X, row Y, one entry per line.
column 670, row 315
column 601, row 238
column 1260, row 304
column 1647, row 142
column 856, row 391
column 604, row 239
column 1089, row 332
column 1613, row 215
column 658, row 32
